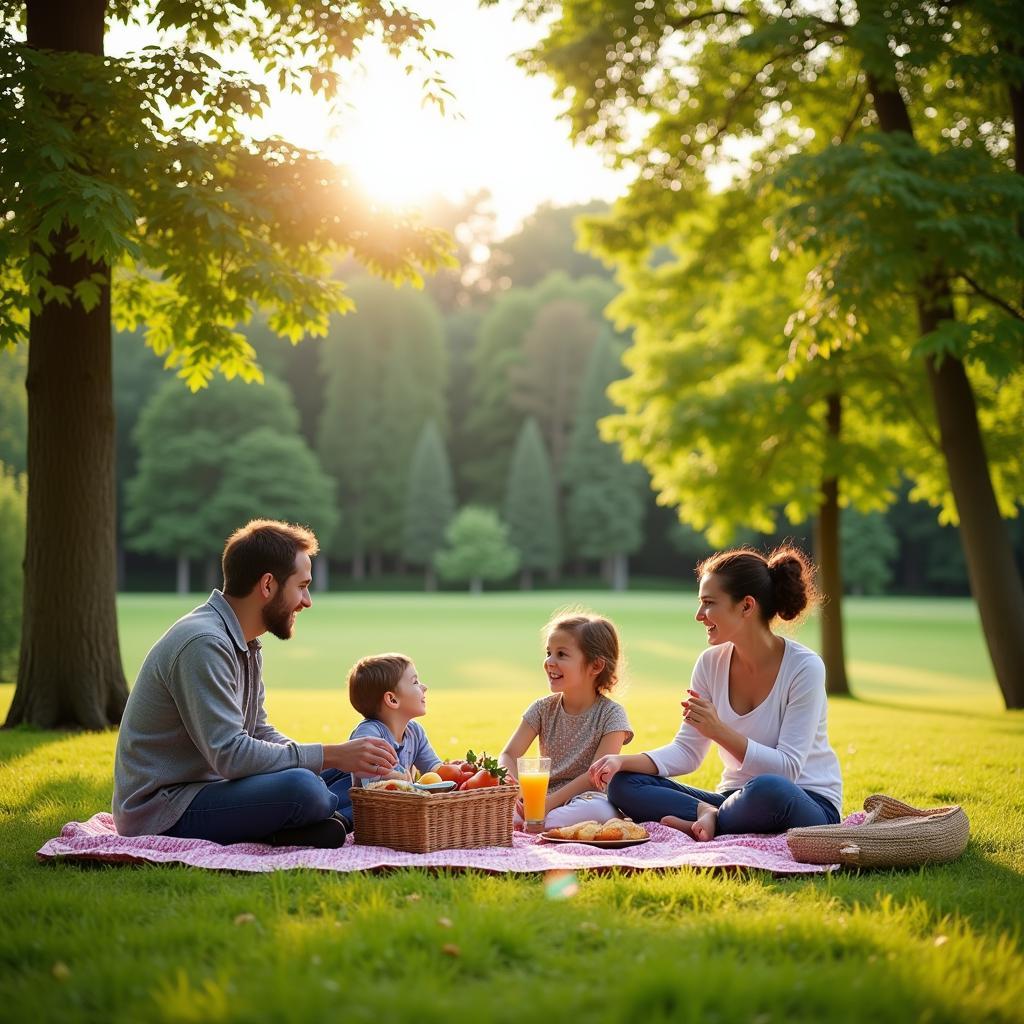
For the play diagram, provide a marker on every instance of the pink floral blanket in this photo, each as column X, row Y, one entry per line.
column 96, row 840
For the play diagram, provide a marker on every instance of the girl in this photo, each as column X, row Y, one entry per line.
column 759, row 697
column 578, row 722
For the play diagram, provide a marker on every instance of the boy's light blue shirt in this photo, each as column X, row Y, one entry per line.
column 415, row 749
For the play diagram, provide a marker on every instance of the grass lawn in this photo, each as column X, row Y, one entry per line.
column 171, row 944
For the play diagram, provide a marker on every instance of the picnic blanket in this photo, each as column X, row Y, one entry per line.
column 97, row 840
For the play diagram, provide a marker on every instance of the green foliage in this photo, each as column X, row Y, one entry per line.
column 730, row 425
column 477, row 548
column 271, row 475
column 820, row 231
column 605, row 506
column 384, row 379
column 430, row 505
column 519, row 362
column 492, row 421
column 144, row 164
column 868, row 546
column 546, row 383
column 186, row 445
column 531, row 503
column 13, row 407
column 545, row 244
column 13, row 487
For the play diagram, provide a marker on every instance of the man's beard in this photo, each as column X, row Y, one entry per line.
column 277, row 617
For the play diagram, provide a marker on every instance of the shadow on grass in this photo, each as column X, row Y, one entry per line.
column 996, row 718
column 22, row 740
column 986, row 895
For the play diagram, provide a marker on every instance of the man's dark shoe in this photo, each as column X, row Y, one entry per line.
column 324, row 835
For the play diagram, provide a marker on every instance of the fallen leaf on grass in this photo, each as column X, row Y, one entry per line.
column 444, row 922
column 61, row 971
column 450, row 949
column 245, row 919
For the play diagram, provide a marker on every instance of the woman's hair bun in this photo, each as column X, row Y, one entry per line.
column 793, row 587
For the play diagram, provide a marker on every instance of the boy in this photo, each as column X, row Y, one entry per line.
column 387, row 692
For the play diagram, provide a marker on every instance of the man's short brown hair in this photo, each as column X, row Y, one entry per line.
column 370, row 678
column 261, row 546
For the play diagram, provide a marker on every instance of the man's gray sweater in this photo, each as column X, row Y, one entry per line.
column 195, row 715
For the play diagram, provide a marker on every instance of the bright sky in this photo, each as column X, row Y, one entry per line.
column 508, row 138
column 502, row 131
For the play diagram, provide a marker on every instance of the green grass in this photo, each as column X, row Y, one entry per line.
column 170, row 944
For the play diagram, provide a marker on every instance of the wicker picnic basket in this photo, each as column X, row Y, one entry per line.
column 419, row 823
column 893, row 835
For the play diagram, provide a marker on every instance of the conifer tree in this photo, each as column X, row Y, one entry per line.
column 531, row 506
column 431, row 502
column 604, row 507
column 384, row 369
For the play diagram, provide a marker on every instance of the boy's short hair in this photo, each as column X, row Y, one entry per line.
column 370, row 678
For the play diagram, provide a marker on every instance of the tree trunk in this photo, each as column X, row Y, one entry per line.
column 526, row 579
column 995, row 581
column 430, row 579
column 359, row 566
column 476, row 585
column 620, row 572
column 321, row 574
column 183, row 581
column 828, row 555
column 69, row 672
column 212, row 573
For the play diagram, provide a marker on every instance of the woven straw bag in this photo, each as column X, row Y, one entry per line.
column 894, row 835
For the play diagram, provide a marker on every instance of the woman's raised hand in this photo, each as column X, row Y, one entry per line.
column 602, row 770
column 699, row 712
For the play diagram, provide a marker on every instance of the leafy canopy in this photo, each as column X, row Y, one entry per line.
column 143, row 163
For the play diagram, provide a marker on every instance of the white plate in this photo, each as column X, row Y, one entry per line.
column 604, row 844
column 434, row 787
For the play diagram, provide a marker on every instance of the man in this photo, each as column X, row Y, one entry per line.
column 196, row 757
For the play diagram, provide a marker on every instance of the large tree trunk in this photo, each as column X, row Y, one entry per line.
column 70, row 673
column 828, row 553
column 995, row 581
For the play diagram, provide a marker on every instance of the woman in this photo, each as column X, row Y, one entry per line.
column 759, row 697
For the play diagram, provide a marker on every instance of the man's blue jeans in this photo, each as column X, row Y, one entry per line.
column 254, row 808
column 768, row 803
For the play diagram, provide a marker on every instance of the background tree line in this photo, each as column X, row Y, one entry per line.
column 483, row 398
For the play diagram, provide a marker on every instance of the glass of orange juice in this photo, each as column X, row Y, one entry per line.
column 534, row 773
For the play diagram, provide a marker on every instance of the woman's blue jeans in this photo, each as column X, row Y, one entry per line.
column 768, row 803
column 254, row 808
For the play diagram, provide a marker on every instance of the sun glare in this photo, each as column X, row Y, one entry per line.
column 399, row 151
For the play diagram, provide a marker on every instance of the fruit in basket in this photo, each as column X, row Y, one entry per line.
column 449, row 772
column 429, row 778
column 482, row 780
column 486, row 772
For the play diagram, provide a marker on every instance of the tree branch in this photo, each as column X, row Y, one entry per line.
column 1006, row 307
column 854, row 116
